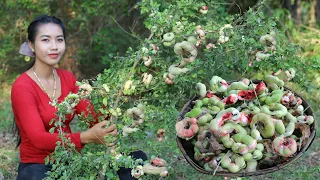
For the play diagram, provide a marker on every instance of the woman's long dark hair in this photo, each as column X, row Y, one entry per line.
column 33, row 29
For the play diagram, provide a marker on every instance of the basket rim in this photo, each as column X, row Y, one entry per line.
column 310, row 140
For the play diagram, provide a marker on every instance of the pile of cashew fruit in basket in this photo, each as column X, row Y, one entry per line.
column 245, row 126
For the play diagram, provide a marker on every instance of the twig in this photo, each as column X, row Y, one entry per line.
column 307, row 27
column 255, row 93
column 239, row 8
column 300, row 143
column 124, row 29
column 218, row 165
column 128, row 76
column 227, row 154
column 129, row 11
column 133, row 25
column 98, row 138
column 223, row 3
column 60, row 128
column 306, row 108
column 281, row 23
column 256, row 5
column 235, row 3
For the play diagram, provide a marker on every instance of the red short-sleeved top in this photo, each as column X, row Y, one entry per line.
column 32, row 112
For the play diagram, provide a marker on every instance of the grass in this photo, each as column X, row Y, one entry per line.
column 9, row 156
column 6, row 117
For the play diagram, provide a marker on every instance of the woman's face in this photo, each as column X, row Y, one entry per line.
column 49, row 45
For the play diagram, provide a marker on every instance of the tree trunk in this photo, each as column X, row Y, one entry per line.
column 68, row 62
column 287, row 4
column 240, row 6
column 312, row 14
column 295, row 9
column 318, row 11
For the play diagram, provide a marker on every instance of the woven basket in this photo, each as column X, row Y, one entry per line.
column 187, row 148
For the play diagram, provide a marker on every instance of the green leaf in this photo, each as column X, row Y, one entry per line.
column 144, row 69
column 110, row 175
column 261, row 15
column 52, row 130
column 105, row 101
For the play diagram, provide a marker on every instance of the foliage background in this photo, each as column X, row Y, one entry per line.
column 100, row 31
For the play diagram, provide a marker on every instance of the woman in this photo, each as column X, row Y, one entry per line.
column 33, row 92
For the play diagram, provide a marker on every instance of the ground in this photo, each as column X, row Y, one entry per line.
column 8, row 156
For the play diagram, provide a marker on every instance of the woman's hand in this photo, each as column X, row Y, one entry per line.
column 97, row 133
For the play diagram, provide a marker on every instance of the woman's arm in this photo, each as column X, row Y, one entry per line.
column 30, row 122
column 97, row 130
column 97, row 133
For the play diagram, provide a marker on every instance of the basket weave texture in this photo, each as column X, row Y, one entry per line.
column 187, row 150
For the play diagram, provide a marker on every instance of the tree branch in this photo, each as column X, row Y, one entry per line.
column 124, row 29
column 139, row 57
column 281, row 23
